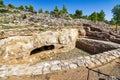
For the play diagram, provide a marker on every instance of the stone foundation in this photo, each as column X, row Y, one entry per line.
column 50, row 66
column 95, row 46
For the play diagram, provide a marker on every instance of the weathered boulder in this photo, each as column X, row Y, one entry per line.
column 37, row 46
column 81, row 32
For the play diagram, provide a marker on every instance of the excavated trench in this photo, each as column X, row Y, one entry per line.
column 52, row 51
column 61, row 44
column 86, row 47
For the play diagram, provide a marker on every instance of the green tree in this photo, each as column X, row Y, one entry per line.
column 78, row 13
column 47, row 12
column 64, row 9
column 55, row 12
column 85, row 17
column 26, row 8
column 1, row 2
column 40, row 10
column 101, row 16
column 60, row 12
column 94, row 16
column 21, row 7
column 72, row 16
column 116, row 15
column 56, row 9
column 31, row 8
column 11, row 6
column 113, row 21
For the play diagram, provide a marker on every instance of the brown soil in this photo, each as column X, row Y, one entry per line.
column 81, row 73
column 71, row 54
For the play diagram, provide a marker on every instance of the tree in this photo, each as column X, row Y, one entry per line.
column 21, row 7
column 64, row 9
column 113, row 21
column 40, row 10
column 1, row 2
column 116, row 15
column 72, row 16
column 56, row 9
column 11, row 6
column 60, row 12
column 85, row 17
column 101, row 16
column 26, row 8
column 31, row 8
column 94, row 16
column 78, row 13
column 47, row 12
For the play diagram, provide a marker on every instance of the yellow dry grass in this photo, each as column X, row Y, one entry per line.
column 113, row 27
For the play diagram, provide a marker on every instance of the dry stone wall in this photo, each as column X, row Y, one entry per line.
column 95, row 46
column 50, row 66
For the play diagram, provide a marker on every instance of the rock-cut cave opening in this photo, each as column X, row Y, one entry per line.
column 43, row 48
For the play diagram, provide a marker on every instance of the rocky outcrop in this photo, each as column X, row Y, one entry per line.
column 36, row 46
column 108, row 36
column 31, row 30
column 95, row 46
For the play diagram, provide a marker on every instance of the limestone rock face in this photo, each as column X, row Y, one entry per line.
column 82, row 32
column 25, row 49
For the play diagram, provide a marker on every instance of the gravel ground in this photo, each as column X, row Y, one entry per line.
column 71, row 54
column 68, row 55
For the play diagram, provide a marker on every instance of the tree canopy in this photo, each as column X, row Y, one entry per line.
column 11, row 6
column 116, row 15
column 64, row 9
column 56, row 9
column 31, row 8
column 78, row 13
column 101, row 16
column 21, row 7
column 47, row 12
column 1, row 2
column 40, row 10
column 94, row 16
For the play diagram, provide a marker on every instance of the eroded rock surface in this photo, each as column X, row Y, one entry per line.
column 37, row 46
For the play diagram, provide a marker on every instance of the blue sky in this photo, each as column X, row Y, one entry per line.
column 87, row 6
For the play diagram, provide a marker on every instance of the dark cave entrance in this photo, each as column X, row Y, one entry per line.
column 43, row 48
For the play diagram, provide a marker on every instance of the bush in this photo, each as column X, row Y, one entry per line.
column 3, row 10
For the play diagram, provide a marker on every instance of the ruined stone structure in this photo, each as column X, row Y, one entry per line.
column 40, row 36
column 50, row 66
column 37, row 46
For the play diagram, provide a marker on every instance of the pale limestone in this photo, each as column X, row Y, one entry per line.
column 18, row 48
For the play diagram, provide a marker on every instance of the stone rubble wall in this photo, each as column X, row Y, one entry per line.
column 56, row 65
column 32, row 30
column 103, row 35
column 18, row 32
column 95, row 46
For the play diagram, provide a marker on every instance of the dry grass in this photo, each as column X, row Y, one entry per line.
column 113, row 27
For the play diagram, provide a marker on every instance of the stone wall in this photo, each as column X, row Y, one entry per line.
column 95, row 46
column 15, row 48
column 50, row 66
